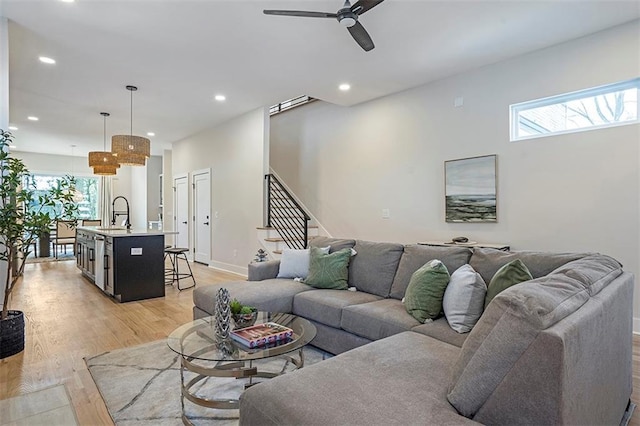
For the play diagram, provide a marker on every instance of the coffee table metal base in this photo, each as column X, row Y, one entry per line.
column 237, row 369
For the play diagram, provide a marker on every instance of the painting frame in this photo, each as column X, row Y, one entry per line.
column 470, row 189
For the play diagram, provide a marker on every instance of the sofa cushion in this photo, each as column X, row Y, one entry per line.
column 463, row 301
column 295, row 263
column 325, row 306
column 519, row 313
column 377, row 320
column 594, row 271
column 329, row 270
column 334, row 244
column 415, row 256
column 374, row 266
column 440, row 329
column 423, row 299
column 274, row 295
column 400, row 380
column 487, row 261
column 514, row 272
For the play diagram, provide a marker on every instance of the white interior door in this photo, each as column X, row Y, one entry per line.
column 202, row 216
column 181, row 210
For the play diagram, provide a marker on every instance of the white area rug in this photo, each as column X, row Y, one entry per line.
column 141, row 385
column 49, row 406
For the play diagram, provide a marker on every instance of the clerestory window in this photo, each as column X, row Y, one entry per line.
column 598, row 107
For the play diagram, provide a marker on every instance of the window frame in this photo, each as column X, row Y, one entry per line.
column 516, row 109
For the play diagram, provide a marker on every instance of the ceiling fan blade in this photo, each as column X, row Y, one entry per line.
column 362, row 6
column 361, row 36
column 301, row 13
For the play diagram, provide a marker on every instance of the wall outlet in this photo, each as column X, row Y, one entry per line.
column 458, row 102
column 235, row 253
column 216, row 215
column 386, row 214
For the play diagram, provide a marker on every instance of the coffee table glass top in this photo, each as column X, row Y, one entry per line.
column 197, row 339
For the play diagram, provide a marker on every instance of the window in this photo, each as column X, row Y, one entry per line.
column 605, row 106
column 87, row 187
column 290, row 103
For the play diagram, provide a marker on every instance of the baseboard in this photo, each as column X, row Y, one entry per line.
column 228, row 267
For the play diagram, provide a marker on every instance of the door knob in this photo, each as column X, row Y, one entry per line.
column 184, row 223
column 206, row 223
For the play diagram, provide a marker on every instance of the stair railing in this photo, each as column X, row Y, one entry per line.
column 285, row 215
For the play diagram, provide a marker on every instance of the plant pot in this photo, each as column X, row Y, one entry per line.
column 245, row 320
column 12, row 334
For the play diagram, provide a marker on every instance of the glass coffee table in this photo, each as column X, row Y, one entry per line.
column 203, row 353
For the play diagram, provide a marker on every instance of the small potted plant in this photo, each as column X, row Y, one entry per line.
column 243, row 315
column 20, row 226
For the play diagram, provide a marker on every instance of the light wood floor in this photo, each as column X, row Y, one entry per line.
column 68, row 318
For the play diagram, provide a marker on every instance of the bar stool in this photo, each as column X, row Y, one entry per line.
column 173, row 274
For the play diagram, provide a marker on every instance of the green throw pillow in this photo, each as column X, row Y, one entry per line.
column 423, row 298
column 329, row 271
column 512, row 273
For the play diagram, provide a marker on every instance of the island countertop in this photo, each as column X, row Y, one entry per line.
column 120, row 231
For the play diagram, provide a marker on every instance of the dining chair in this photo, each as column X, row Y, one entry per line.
column 65, row 234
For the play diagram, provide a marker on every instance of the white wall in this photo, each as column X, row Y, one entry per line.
column 154, row 170
column 167, row 194
column 576, row 192
column 235, row 153
column 4, row 113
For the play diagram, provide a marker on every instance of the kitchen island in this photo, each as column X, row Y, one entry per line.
column 126, row 264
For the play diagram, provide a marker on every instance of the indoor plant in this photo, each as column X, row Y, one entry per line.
column 243, row 315
column 20, row 227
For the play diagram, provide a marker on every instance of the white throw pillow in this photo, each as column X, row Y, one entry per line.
column 463, row 301
column 295, row 263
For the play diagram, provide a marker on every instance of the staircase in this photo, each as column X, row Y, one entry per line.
column 287, row 222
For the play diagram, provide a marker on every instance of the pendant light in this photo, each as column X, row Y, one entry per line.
column 103, row 162
column 131, row 150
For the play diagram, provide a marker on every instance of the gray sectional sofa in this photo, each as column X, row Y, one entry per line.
column 553, row 350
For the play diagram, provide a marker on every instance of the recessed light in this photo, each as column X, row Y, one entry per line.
column 13, row 128
column 46, row 60
column 32, row 118
column 220, row 98
column 344, row 87
column 150, row 134
column 67, row 1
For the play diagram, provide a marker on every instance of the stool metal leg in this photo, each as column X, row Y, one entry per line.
column 180, row 276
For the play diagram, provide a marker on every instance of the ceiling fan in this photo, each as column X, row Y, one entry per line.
column 347, row 16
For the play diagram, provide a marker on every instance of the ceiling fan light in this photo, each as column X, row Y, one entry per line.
column 348, row 22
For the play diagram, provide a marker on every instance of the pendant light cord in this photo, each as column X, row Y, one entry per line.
column 131, row 128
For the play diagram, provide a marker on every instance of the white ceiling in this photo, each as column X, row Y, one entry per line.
column 180, row 53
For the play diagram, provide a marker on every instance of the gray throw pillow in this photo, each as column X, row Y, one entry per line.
column 514, row 272
column 423, row 299
column 295, row 263
column 463, row 301
column 329, row 271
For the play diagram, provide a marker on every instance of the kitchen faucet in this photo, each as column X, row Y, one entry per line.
column 115, row 214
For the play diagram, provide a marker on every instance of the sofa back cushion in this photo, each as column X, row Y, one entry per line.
column 487, row 261
column 512, row 321
column 373, row 267
column 416, row 255
column 334, row 244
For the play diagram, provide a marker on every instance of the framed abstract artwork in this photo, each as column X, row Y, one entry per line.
column 470, row 189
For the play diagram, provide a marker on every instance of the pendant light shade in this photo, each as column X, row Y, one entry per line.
column 103, row 162
column 105, row 170
column 131, row 150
